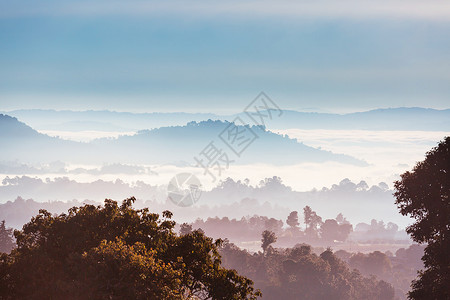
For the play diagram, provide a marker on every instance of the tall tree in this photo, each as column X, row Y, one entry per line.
column 292, row 219
column 268, row 238
column 6, row 238
column 312, row 222
column 307, row 213
column 424, row 194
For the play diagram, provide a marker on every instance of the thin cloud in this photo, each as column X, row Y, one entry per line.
column 362, row 9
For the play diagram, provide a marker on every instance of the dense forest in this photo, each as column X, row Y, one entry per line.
column 315, row 230
column 65, row 250
column 114, row 251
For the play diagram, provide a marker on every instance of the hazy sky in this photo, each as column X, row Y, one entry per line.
column 215, row 56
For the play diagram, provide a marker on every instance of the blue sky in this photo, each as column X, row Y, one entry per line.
column 212, row 56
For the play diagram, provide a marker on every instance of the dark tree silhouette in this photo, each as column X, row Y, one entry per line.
column 268, row 238
column 424, row 194
column 341, row 219
column 185, row 228
column 6, row 238
column 331, row 230
column 307, row 216
column 292, row 219
column 375, row 263
column 312, row 222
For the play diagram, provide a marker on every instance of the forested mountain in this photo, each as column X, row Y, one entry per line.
column 20, row 142
column 177, row 144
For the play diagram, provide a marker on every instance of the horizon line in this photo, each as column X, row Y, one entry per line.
column 304, row 110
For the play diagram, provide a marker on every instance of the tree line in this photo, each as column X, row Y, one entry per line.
column 314, row 229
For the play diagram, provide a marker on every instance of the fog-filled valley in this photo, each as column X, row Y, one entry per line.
column 291, row 182
column 286, row 177
column 225, row 150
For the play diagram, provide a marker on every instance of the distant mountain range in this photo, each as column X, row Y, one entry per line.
column 104, row 120
column 379, row 119
column 20, row 142
column 165, row 145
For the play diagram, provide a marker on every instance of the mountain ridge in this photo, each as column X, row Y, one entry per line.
column 159, row 146
column 399, row 118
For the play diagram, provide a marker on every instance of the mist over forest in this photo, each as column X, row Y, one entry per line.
column 225, row 150
column 229, row 198
column 348, row 225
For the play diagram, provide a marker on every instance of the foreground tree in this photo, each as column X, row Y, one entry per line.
column 424, row 194
column 115, row 252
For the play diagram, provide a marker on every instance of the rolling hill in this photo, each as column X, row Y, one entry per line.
column 165, row 145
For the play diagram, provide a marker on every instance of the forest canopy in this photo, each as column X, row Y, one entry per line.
column 115, row 252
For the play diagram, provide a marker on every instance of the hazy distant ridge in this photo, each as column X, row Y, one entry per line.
column 379, row 119
column 177, row 144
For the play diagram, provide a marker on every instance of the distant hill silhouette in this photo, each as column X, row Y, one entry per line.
column 104, row 120
column 177, row 144
column 11, row 127
column 20, row 142
column 402, row 118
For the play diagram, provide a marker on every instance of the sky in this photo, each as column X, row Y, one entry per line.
column 216, row 56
